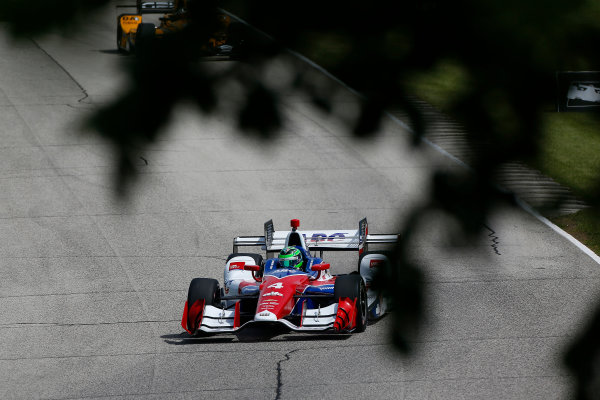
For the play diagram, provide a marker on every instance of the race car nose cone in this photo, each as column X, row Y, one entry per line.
column 265, row 316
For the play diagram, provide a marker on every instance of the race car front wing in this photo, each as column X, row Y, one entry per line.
column 220, row 320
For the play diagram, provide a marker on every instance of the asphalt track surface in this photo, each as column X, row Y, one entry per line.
column 91, row 292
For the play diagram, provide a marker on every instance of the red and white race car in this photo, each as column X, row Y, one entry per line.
column 294, row 289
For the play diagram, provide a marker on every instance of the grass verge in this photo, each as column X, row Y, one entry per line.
column 569, row 149
column 570, row 154
column 584, row 226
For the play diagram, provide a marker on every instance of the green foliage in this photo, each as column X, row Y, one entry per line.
column 441, row 85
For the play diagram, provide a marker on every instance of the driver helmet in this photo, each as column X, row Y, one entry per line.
column 290, row 257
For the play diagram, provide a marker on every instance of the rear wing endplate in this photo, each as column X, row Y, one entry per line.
column 323, row 240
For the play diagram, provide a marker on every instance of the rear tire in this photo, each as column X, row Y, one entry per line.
column 353, row 287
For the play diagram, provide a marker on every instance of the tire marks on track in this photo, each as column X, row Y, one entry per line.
column 83, row 90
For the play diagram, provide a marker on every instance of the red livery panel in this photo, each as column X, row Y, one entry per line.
column 277, row 294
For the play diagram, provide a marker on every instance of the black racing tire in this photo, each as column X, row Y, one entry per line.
column 353, row 287
column 144, row 37
column 204, row 289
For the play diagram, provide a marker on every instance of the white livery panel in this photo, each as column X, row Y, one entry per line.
column 377, row 304
column 234, row 273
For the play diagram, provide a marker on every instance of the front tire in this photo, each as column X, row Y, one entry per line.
column 204, row 289
column 353, row 287
column 201, row 289
column 144, row 38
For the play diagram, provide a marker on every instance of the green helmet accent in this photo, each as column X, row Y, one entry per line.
column 290, row 257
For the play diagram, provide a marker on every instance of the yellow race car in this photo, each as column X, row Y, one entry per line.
column 134, row 30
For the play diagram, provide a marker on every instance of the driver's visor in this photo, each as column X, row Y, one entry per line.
column 288, row 262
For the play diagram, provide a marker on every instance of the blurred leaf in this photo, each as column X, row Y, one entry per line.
column 35, row 17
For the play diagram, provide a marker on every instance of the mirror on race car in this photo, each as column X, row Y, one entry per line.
column 320, row 267
column 253, row 268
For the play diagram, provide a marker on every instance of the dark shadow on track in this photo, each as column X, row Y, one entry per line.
column 373, row 322
column 183, row 339
column 253, row 335
column 112, row 51
column 314, row 337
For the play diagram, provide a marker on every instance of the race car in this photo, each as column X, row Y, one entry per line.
column 133, row 33
column 294, row 289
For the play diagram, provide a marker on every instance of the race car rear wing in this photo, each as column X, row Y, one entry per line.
column 323, row 240
column 151, row 7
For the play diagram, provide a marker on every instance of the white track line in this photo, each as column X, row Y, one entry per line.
column 404, row 125
column 557, row 229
